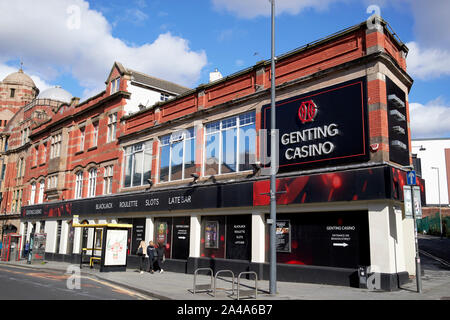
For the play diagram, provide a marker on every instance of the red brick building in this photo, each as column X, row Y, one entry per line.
column 188, row 171
column 16, row 91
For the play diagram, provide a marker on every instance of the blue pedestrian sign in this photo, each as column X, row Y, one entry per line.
column 411, row 178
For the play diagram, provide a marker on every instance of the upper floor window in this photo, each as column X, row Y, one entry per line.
column 35, row 156
column 79, row 185
column 55, row 146
column 115, row 85
column 41, row 191
column 52, row 182
column 24, row 136
column 20, row 167
column 17, row 200
column 3, row 171
column 33, row 193
column 177, row 156
column 164, row 97
column 82, row 138
column 112, row 126
column 138, row 164
column 108, row 179
column 94, row 134
column 230, row 145
column 12, row 93
column 44, row 153
column 92, row 182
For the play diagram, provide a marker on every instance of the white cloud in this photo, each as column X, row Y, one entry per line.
column 254, row 8
column 431, row 120
column 429, row 55
column 66, row 36
column 427, row 63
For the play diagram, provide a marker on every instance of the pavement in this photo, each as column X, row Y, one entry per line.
column 178, row 286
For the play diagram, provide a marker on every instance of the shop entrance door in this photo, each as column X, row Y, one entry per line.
column 181, row 235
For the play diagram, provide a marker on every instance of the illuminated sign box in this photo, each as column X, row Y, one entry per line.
column 320, row 128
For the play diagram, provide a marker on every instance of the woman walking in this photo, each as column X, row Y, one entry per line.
column 141, row 254
column 151, row 256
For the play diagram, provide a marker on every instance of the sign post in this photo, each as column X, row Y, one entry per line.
column 273, row 169
column 411, row 179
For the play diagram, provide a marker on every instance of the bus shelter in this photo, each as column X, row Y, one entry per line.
column 108, row 247
column 12, row 243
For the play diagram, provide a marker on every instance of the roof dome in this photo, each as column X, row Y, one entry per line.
column 20, row 78
column 56, row 93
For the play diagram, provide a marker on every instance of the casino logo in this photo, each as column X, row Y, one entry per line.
column 307, row 111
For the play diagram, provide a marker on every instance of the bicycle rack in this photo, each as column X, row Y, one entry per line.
column 203, row 287
column 247, row 292
column 232, row 283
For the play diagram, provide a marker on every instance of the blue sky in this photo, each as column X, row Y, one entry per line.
column 73, row 43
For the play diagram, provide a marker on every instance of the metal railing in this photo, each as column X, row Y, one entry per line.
column 203, row 287
column 212, row 287
column 232, row 281
column 248, row 293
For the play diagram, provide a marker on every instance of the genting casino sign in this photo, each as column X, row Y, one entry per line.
column 321, row 128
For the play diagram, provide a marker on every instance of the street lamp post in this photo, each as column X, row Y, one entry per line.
column 439, row 195
column 273, row 200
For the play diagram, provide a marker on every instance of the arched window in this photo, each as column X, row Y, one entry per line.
column 33, row 193
column 79, row 185
column 92, row 183
column 41, row 191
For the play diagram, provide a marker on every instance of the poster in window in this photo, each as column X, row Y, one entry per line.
column 238, row 237
column 283, row 233
column 211, row 234
column 116, row 247
column 161, row 235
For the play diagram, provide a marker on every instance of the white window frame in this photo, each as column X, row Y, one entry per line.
column 92, row 182
column 79, row 185
column 146, row 148
column 41, row 191
column 108, row 179
column 174, row 137
column 55, row 146
column 164, row 96
column 82, row 138
column 112, row 127
column 115, row 85
column 33, row 193
column 95, row 134
column 220, row 130
column 52, row 182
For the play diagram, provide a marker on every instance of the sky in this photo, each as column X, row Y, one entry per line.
column 74, row 43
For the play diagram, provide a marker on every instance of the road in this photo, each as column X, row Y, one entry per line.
column 434, row 252
column 19, row 283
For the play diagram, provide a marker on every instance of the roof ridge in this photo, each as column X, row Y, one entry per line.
column 156, row 78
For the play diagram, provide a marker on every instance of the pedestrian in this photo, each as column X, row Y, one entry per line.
column 27, row 248
column 151, row 251
column 160, row 250
column 141, row 251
